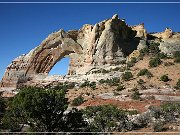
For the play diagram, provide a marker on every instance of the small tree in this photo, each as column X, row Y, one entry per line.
column 43, row 110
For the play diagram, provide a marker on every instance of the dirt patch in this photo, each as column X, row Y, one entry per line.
column 141, row 106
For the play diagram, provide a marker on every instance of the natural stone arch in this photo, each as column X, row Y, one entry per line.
column 102, row 45
column 41, row 59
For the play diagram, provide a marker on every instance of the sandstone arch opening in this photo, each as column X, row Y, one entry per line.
column 61, row 67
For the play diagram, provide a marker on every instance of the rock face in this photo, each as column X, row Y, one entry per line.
column 166, row 34
column 141, row 31
column 169, row 41
column 170, row 45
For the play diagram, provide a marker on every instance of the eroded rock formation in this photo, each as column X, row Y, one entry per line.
column 104, row 44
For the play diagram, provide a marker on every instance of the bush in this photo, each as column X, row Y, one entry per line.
column 126, row 76
column 132, row 62
column 116, row 94
column 168, row 63
column 154, row 48
column 107, row 118
column 157, row 126
column 85, row 84
column 78, row 101
column 122, row 69
column 112, row 82
column 155, row 62
column 44, row 110
column 140, row 81
column 161, row 55
column 104, row 71
column 136, row 95
column 120, row 88
column 143, row 52
column 93, row 85
column 2, row 107
column 177, row 57
column 169, row 109
column 177, row 84
column 145, row 72
column 164, row 78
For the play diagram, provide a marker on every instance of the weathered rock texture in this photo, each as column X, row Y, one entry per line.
column 141, row 31
column 93, row 46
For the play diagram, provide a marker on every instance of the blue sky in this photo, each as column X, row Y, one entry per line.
column 24, row 26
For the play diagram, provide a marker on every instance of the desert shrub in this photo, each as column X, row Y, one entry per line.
column 134, row 89
column 177, row 57
column 178, row 84
column 154, row 48
column 107, row 118
column 112, row 82
column 164, row 78
column 104, row 71
column 126, row 76
column 140, row 81
column 85, row 84
column 146, row 72
column 102, row 81
column 169, row 109
column 122, row 62
column 155, row 111
column 157, row 126
column 144, row 51
column 60, row 86
column 78, row 101
column 120, row 87
column 143, row 120
column 136, row 95
column 92, row 85
column 154, row 62
column 115, row 93
column 132, row 62
column 132, row 112
column 70, row 85
column 122, row 69
column 168, row 63
column 162, row 55
column 3, row 106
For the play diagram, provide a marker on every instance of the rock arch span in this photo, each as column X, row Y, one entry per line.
column 41, row 59
column 104, row 44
